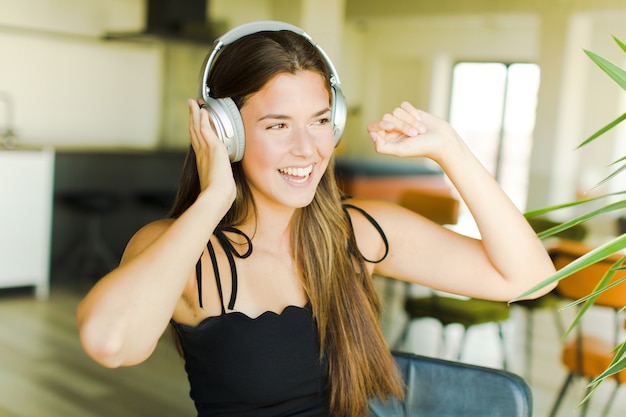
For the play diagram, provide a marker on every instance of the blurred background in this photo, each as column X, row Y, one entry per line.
column 93, row 117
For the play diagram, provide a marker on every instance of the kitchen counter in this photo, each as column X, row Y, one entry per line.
column 26, row 183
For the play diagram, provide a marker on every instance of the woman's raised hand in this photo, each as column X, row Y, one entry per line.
column 409, row 132
column 214, row 168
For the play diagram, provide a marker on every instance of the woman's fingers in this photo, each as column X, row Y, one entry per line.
column 409, row 132
column 408, row 119
column 200, row 126
column 194, row 123
column 403, row 121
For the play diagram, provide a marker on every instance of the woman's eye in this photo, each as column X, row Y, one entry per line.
column 278, row 126
column 323, row 121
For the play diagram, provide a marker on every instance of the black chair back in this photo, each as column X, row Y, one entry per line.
column 442, row 388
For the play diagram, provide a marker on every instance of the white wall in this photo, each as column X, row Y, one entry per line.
column 71, row 88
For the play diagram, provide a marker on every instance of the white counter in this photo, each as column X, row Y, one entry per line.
column 26, row 196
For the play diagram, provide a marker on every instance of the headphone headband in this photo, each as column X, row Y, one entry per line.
column 248, row 29
column 223, row 111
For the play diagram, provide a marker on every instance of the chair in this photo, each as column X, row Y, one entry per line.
column 444, row 209
column 442, row 388
column 436, row 205
column 583, row 355
column 466, row 312
column 550, row 301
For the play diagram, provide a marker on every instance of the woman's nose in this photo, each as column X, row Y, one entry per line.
column 303, row 142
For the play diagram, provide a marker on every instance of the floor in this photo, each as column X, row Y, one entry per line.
column 46, row 373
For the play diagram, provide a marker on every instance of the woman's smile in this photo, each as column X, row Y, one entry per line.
column 296, row 175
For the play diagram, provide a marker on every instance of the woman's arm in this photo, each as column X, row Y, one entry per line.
column 506, row 261
column 123, row 316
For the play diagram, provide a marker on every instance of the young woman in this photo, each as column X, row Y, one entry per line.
column 264, row 270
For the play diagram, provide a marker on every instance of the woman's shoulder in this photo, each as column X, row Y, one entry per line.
column 370, row 219
column 372, row 207
column 146, row 235
column 386, row 216
column 153, row 230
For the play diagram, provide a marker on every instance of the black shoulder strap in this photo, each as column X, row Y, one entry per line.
column 231, row 253
column 374, row 223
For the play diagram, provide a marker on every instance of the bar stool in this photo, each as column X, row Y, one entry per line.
column 158, row 201
column 586, row 355
column 90, row 256
column 551, row 301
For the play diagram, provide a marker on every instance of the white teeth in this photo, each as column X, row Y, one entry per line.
column 297, row 172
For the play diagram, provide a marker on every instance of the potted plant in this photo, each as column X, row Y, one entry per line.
column 604, row 251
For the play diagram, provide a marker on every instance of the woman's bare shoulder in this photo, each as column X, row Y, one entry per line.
column 145, row 236
column 375, row 208
column 373, row 222
column 390, row 217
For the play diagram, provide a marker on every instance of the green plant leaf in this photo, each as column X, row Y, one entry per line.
column 582, row 218
column 544, row 210
column 595, row 293
column 582, row 262
column 620, row 43
column 623, row 158
column 611, row 175
column 618, row 364
column 616, row 73
column 606, row 128
column 589, row 300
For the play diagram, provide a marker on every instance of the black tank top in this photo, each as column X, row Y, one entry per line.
column 257, row 367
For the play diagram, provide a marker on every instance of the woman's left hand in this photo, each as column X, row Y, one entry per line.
column 409, row 132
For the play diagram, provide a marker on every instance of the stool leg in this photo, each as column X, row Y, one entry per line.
column 528, row 344
column 401, row 342
column 558, row 321
column 462, row 344
column 96, row 257
column 607, row 407
column 585, row 407
column 559, row 398
column 70, row 260
column 100, row 248
column 505, row 363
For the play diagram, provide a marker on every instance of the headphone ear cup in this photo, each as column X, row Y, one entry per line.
column 228, row 125
column 339, row 112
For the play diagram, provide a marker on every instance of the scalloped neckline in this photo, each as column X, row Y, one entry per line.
column 268, row 313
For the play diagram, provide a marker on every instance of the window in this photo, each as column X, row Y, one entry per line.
column 492, row 107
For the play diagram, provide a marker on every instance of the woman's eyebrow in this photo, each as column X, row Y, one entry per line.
column 285, row 117
column 321, row 112
column 274, row 116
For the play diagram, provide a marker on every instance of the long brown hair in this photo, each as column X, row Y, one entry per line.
column 343, row 298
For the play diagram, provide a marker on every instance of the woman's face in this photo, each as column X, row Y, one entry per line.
column 289, row 139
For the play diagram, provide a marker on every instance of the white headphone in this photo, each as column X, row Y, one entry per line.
column 225, row 114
